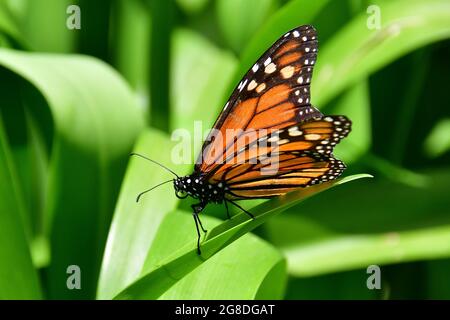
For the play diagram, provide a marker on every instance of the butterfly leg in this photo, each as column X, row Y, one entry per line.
column 199, row 252
column 197, row 209
column 226, row 207
column 234, row 203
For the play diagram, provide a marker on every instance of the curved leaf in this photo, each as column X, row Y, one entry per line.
column 357, row 51
column 384, row 223
column 134, row 225
column 250, row 260
column 359, row 251
column 18, row 278
column 199, row 78
column 238, row 20
column 183, row 261
column 95, row 122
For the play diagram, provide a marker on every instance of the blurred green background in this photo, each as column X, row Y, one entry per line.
column 74, row 103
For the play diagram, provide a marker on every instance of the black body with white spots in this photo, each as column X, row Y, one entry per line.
column 196, row 187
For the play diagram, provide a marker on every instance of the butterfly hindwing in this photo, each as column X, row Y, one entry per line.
column 296, row 156
column 304, row 169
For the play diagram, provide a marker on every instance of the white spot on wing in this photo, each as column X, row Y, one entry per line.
column 252, row 85
column 270, row 68
column 312, row 136
column 287, row 72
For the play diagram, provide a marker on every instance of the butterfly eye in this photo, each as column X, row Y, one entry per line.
column 181, row 194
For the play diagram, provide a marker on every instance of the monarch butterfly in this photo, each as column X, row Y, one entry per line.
column 272, row 102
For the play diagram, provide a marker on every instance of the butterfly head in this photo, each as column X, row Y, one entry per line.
column 186, row 186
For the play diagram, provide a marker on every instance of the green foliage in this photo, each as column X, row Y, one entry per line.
column 86, row 132
column 68, row 123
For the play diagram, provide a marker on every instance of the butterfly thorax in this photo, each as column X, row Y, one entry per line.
column 198, row 188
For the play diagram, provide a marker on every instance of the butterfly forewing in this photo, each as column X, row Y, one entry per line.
column 269, row 139
column 273, row 94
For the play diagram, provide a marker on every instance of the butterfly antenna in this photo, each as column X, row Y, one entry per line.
column 155, row 162
column 158, row 185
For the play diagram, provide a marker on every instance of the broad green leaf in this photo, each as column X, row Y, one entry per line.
column 384, row 223
column 130, row 44
column 238, row 20
column 8, row 25
column 134, row 225
column 18, row 278
column 357, row 51
column 357, row 251
column 173, row 268
column 95, row 123
column 44, row 25
column 248, row 260
column 200, row 75
column 291, row 15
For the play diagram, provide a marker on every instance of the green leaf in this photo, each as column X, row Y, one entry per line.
column 18, row 278
column 383, row 223
column 134, row 225
column 356, row 251
column 173, row 268
column 49, row 34
column 199, row 79
column 357, row 51
column 95, row 123
column 131, row 44
column 220, row 277
column 291, row 15
column 8, row 25
column 238, row 20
